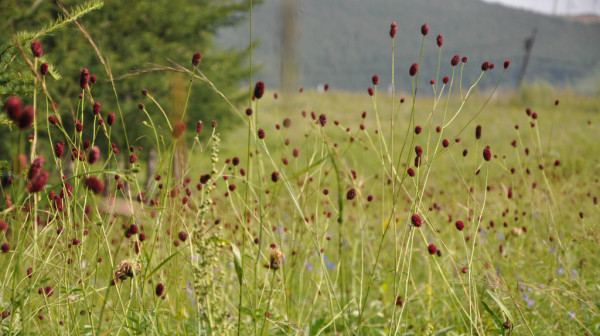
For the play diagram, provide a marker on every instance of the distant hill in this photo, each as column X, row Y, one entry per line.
column 345, row 42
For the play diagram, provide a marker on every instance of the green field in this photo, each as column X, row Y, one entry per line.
column 460, row 210
column 344, row 266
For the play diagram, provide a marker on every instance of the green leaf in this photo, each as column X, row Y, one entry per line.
column 164, row 262
column 237, row 262
column 494, row 315
column 445, row 330
column 502, row 307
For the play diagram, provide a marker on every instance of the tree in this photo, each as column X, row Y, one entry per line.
column 131, row 36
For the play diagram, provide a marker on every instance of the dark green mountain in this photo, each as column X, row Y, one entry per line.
column 345, row 42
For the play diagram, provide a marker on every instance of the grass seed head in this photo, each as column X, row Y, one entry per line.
column 276, row 257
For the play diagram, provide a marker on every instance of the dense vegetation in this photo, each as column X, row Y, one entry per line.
column 457, row 210
column 137, row 42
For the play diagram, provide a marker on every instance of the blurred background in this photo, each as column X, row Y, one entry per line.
column 297, row 44
column 344, row 43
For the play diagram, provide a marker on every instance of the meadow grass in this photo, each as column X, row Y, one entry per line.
column 320, row 213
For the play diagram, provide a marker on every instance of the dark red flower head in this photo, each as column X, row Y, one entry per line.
column 261, row 133
column 275, row 176
column 445, row 80
column 418, row 129
column 26, row 118
column 418, row 150
column 432, row 249
column 59, row 149
column 196, row 59
column 182, row 235
column 424, row 29
column 506, row 64
column 375, row 79
column 44, row 69
column 110, row 119
column 204, row 178
column 487, row 154
column 370, row 91
column 393, row 29
column 12, row 106
column 478, row 132
column 160, row 288
column 178, row 129
column 94, row 184
column 455, row 59
column 93, row 79
column 36, row 48
column 485, row 66
column 38, row 182
column 84, row 78
column 460, row 225
column 259, row 90
column 96, row 108
column 464, row 59
column 35, row 168
column 413, row 69
column 94, row 155
column 351, row 194
column 416, row 220
column 322, row 119
column 440, row 40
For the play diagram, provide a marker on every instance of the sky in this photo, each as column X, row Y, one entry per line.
column 559, row 7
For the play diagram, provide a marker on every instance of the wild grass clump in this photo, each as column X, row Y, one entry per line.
column 451, row 212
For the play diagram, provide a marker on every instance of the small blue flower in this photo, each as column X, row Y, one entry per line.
column 328, row 264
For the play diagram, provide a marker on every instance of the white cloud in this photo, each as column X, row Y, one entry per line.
column 559, row 7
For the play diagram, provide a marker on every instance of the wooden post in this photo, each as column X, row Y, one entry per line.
column 288, row 42
column 528, row 46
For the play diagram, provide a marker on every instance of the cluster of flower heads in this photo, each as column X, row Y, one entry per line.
column 22, row 117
